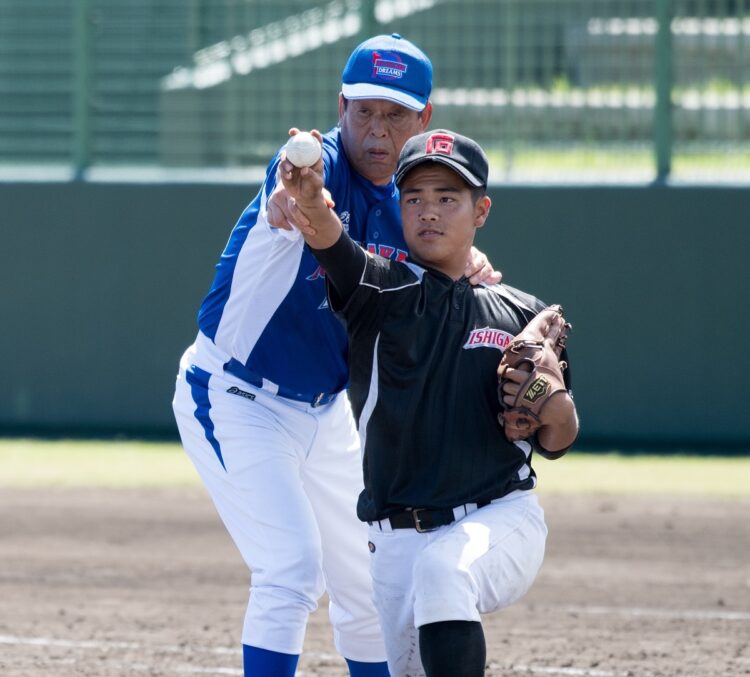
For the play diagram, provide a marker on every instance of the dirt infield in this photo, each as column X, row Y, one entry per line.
column 103, row 583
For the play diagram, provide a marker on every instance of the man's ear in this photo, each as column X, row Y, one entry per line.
column 342, row 106
column 426, row 115
column 482, row 211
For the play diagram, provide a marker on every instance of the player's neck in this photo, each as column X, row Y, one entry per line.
column 452, row 269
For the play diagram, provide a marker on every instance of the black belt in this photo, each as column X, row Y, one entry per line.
column 424, row 520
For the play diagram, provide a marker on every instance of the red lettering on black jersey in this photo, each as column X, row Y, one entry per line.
column 487, row 337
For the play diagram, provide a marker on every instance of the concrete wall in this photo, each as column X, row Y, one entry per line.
column 101, row 284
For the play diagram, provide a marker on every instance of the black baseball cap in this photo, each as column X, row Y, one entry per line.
column 462, row 154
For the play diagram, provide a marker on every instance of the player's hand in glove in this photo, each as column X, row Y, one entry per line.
column 531, row 390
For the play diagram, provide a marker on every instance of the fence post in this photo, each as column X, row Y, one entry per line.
column 82, row 28
column 663, row 85
column 368, row 23
column 509, row 70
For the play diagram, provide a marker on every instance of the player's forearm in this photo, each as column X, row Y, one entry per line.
column 561, row 430
column 323, row 221
column 343, row 262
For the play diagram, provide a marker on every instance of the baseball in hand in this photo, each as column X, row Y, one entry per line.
column 303, row 150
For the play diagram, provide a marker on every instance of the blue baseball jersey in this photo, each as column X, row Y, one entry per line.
column 267, row 309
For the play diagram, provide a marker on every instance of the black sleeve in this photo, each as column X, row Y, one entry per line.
column 344, row 263
column 549, row 455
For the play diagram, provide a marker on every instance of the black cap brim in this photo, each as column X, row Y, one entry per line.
column 464, row 173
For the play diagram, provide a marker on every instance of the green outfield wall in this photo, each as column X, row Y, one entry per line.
column 101, row 283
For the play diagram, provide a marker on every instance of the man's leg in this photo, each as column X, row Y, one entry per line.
column 453, row 649
column 247, row 452
column 484, row 562
column 392, row 558
column 332, row 476
column 361, row 669
column 263, row 663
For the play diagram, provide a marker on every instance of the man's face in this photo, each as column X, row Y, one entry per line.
column 440, row 217
column 374, row 131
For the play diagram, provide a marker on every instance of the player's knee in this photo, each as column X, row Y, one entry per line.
column 297, row 572
column 310, row 580
column 289, row 595
column 274, row 599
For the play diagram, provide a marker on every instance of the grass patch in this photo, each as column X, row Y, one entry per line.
column 611, row 473
column 94, row 463
column 127, row 464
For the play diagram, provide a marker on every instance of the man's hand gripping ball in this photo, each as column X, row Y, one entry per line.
column 303, row 149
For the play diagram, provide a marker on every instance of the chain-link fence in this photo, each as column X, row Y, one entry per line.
column 555, row 90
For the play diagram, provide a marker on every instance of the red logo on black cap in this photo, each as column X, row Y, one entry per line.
column 440, row 143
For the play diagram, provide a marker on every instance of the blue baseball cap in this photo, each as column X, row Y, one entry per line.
column 388, row 67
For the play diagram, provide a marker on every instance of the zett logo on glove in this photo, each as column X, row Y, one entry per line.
column 538, row 388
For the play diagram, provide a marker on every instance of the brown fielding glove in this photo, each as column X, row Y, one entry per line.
column 535, row 349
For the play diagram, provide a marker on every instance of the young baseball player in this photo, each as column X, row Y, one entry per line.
column 259, row 396
column 455, row 527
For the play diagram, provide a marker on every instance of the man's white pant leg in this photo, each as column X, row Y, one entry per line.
column 248, row 455
column 333, row 481
column 391, row 567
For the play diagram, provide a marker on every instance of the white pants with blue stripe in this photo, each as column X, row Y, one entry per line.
column 284, row 477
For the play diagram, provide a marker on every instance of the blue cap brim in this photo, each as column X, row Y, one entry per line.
column 366, row 90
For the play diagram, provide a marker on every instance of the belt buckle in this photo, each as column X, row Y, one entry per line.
column 418, row 522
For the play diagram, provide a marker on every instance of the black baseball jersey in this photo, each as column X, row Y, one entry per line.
column 424, row 351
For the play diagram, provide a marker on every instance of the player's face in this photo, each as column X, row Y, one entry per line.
column 374, row 132
column 440, row 217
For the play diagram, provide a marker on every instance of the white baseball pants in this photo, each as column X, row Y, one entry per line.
column 485, row 561
column 284, row 477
